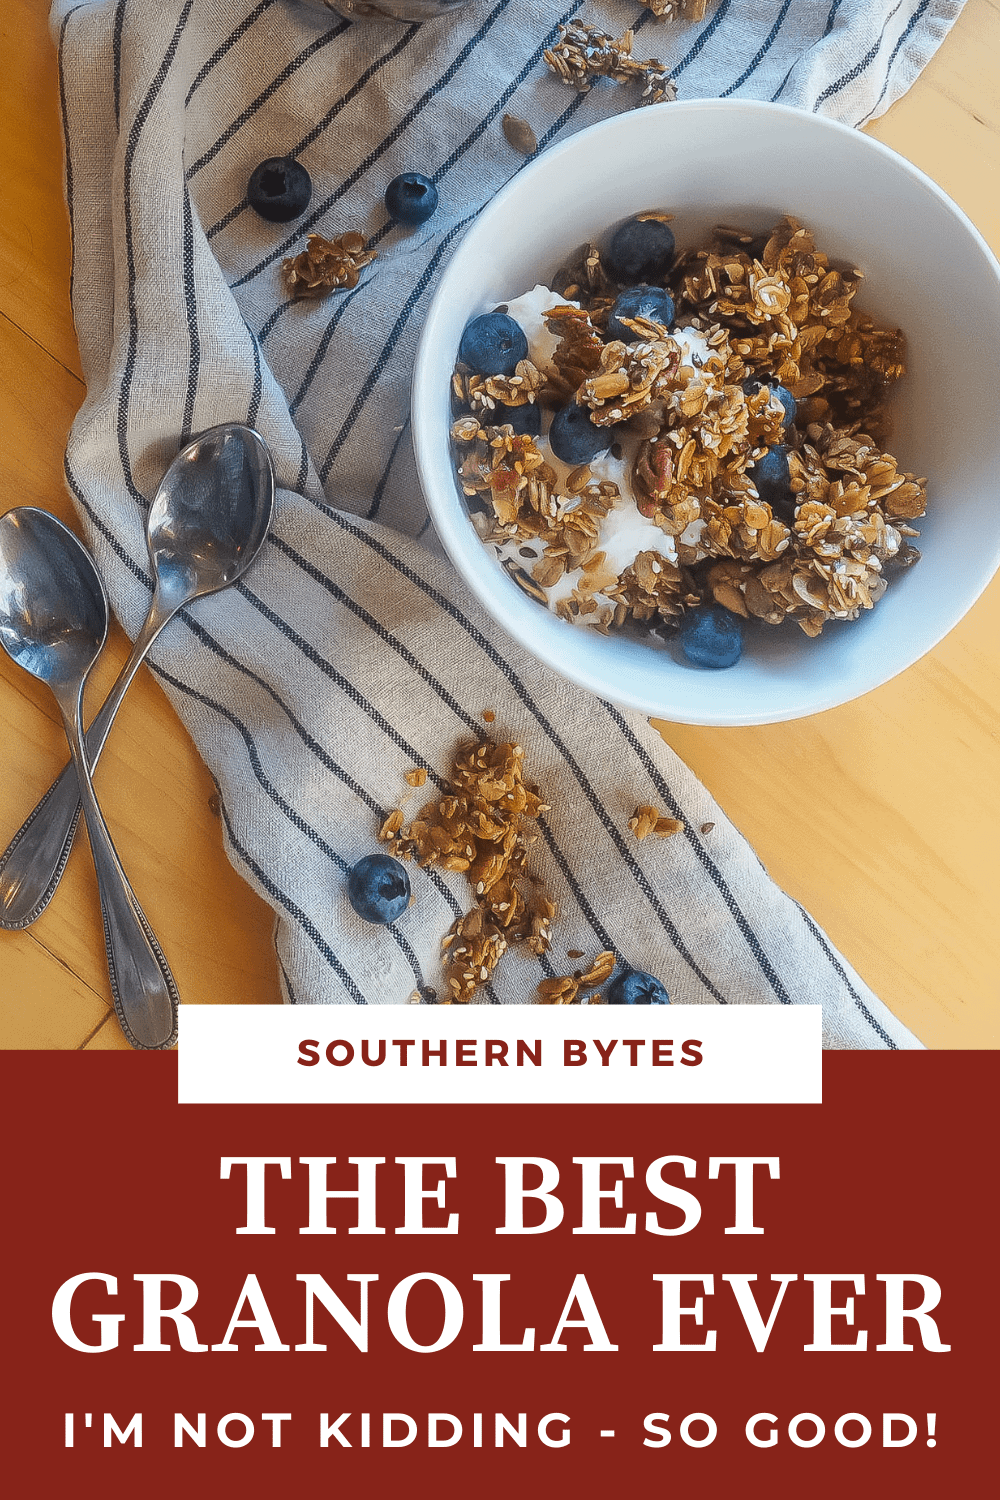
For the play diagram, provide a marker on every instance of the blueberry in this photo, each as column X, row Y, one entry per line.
column 378, row 888
column 784, row 398
column 712, row 637
column 633, row 987
column 411, row 198
column 492, row 345
column 279, row 189
column 650, row 302
column 640, row 250
column 526, row 419
column 574, row 438
column 758, row 245
column 771, row 478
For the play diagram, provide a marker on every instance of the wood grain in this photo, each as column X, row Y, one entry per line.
column 881, row 817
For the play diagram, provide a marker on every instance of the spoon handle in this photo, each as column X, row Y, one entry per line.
column 142, row 985
column 33, row 863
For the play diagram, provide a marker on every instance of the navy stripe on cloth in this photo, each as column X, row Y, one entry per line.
column 134, row 137
column 759, row 57
column 225, row 46
column 705, row 859
column 842, row 972
column 64, row 111
column 116, row 47
column 379, row 490
column 704, row 37
column 859, row 67
column 276, row 83
column 911, row 23
column 191, row 308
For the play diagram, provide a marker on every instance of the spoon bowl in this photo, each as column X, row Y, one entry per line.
column 53, row 609
column 210, row 514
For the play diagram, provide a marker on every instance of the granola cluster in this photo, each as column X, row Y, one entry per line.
column 566, row 989
column 693, row 413
column 326, row 265
column 480, row 825
column 678, row 10
column 584, row 53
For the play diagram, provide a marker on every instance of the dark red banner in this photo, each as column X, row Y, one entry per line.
column 882, row 1195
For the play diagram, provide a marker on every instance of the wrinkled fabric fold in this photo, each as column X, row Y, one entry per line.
column 351, row 653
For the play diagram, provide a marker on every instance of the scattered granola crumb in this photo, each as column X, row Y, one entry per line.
column 558, row 991
column 520, row 135
column 677, row 10
column 599, row 971
column 477, row 827
column 707, row 827
column 583, row 54
column 392, row 824
column 416, row 777
column 646, row 820
column 325, row 265
column 574, row 952
column 489, row 715
column 414, row 998
column 565, row 989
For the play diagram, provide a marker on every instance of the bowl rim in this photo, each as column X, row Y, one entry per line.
column 454, row 529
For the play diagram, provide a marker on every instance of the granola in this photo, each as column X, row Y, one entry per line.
column 584, row 53
column 674, row 515
column 326, row 265
column 481, row 825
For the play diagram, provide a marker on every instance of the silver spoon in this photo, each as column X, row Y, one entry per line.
column 53, row 622
column 205, row 526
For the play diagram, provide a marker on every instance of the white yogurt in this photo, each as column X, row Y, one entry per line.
column 625, row 531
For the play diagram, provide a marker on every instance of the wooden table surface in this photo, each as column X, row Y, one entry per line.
column 882, row 817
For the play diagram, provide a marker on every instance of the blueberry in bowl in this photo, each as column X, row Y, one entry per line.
column 574, row 438
column 711, row 636
column 653, row 303
column 641, row 249
column 493, row 344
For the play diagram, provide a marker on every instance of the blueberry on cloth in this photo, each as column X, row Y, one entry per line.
column 411, row 198
column 772, row 480
column 492, row 344
column 525, row 419
column 633, row 987
column 574, row 438
column 279, row 189
column 378, row 888
column 712, row 637
column 784, row 398
column 650, row 302
column 640, row 250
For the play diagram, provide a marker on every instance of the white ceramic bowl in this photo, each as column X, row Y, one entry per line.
column 927, row 271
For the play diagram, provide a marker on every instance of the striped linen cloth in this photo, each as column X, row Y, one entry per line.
column 352, row 653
